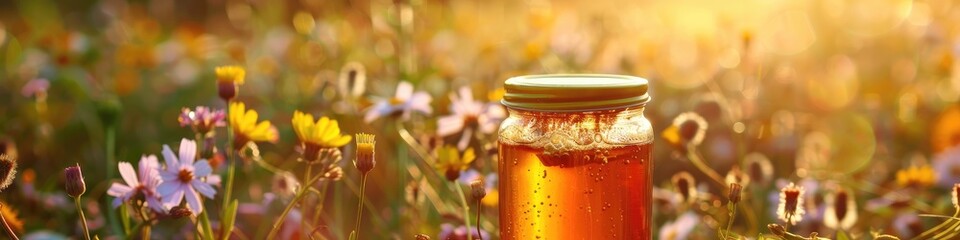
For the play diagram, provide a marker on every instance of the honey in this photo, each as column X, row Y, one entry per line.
column 575, row 166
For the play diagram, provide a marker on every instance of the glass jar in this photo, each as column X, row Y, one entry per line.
column 575, row 158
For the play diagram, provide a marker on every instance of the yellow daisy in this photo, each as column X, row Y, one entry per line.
column 246, row 128
column 451, row 163
column 233, row 74
column 916, row 176
column 324, row 133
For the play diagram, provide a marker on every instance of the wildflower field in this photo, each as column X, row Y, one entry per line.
column 379, row 119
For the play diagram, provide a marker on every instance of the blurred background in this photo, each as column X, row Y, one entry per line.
column 830, row 92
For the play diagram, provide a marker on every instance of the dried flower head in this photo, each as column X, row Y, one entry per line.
column 8, row 170
column 285, row 185
column 180, row 212
column 477, row 190
column 74, row 181
column 758, row 167
column 228, row 80
column 353, row 80
column 685, row 186
column 734, row 193
column 365, row 153
column 955, row 196
column 421, row 237
column 688, row 129
column 790, row 209
column 841, row 212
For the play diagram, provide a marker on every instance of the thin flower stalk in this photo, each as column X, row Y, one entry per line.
column 283, row 215
column 356, row 229
column 6, row 226
column 466, row 207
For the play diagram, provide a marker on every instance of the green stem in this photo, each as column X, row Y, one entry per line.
column 951, row 229
column 303, row 220
column 231, row 168
column 125, row 219
column 320, row 202
column 111, row 146
column 286, row 210
column 83, row 219
column 466, row 208
column 363, row 185
column 9, row 230
column 937, row 228
column 205, row 225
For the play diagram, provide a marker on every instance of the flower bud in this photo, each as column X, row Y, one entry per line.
column 8, row 169
column 421, row 237
column 227, row 90
column 74, row 181
column 476, row 187
column 734, row 194
column 365, row 155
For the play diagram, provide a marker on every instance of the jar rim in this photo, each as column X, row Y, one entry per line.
column 574, row 92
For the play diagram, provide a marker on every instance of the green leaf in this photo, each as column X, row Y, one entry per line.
column 229, row 218
column 841, row 235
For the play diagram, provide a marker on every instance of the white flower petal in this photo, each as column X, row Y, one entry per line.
column 156, row 205
column 448, row 125
column 128, row 174
column 404, row 90
column 172, row 199
column 118, row 190
column 202, row 169
column 193, row 201
column 213, row 179
column 204, row 188
column 149, row 166
column 170, row 158
column 188, row 151
column 168, row 188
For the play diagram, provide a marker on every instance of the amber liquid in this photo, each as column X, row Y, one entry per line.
column 602, row 193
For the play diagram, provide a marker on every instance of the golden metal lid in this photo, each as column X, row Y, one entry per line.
column 574, row 92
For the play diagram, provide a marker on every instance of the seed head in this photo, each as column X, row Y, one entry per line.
column 421, row 237
column 180, row 212
column 74, row 181
column 8, row 169
column 790, row 209
column 955, row 195
column 685, row 186
column 476, row 187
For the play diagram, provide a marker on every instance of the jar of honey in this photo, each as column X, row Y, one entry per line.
column 575, row 158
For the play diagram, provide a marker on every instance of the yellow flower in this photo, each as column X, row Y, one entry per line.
column 324, row 133
column 11, row 216
column 365, row 155
column 451, row 163
column 492, row 199
column 246, row 128
column 916, row 176
column 234, row 74
column 946, row 130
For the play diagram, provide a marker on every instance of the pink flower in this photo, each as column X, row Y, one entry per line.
column 405, row 101
column 202, row 120
column 185, row 178
column 146, row 184
column 34, row 87
column 468, row 113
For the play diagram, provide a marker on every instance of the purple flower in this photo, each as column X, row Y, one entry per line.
column 34, row 87
column 947, row 166
column 202, row 120
column 146, row 184
column 184, row 178
column 448, row 232
column 405, row 101
column 468, row 113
